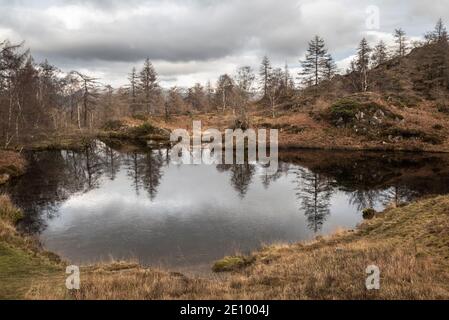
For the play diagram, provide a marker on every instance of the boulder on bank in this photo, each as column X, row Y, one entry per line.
column 369, row 214
column 360, row 112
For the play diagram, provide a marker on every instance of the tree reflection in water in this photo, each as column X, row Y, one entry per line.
column 363, row 199
column 267, row 178
column 113, row 162
column 241, row 176
column 398, row 195
column 135, row 170
column 366, row 180
column 314, row 191
column 51, row 179
column 152, row 174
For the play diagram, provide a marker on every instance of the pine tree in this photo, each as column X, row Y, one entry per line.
column 245, row 80
column 133, row 85
column 362, row 64
column 175, row 102
column 314, row 191
column 330, row 67
column 265, row 71
column 225, row 91
column 441, row 31
column 286, row 76
column 148, row 84
column 288, row 83
column 438, row 34
column 209, row 95
column 314, row 64
column 380, row 54
column 196, row 97
column 401, row 42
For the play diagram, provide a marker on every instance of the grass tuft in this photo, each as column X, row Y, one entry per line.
column 229, row 264
column 22, row 263
column 410, row 245
column 8, row 212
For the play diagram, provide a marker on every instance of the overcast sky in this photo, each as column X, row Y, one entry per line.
column 196, row 40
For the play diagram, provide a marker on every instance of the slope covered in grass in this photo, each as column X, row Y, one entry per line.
column 410, row 245
column 22, row 263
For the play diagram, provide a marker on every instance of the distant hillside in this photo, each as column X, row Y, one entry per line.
column 406, row 107
column 421, row 75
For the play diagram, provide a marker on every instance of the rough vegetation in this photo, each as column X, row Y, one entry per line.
column 22, row 261
column 369, row 213
column 228, row 264
column 139, row 129
column 62, row 142
column 386, row 101
column 398, row 104
column 361, row 113
column 410, row 245
column 12, row 165
column 8, row 212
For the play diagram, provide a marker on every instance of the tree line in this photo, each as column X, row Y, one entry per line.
column 38, row 97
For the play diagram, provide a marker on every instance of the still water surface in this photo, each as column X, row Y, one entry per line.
column 102, row 203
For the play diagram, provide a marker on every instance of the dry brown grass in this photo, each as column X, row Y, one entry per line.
column 12, row 164
column 410, row 245
column 9, row 216
column 22, row 262
column 302, row 128
column 8, row 212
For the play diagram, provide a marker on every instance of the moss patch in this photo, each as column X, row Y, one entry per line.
column 229, row 264
column 63, row 143
column 22, row 263
column 19, row 269
column 348, row 112
column 145, row 132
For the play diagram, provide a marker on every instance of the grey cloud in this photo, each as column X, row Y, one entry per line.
column 199, row 31
column 99, row 34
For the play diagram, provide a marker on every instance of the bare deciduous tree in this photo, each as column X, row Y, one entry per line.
column 90, row 95
column 225, row 90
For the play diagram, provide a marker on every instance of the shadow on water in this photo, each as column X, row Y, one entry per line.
column 102, row 202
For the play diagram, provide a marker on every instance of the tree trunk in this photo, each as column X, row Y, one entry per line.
column 224, row 101
column 78, row 116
